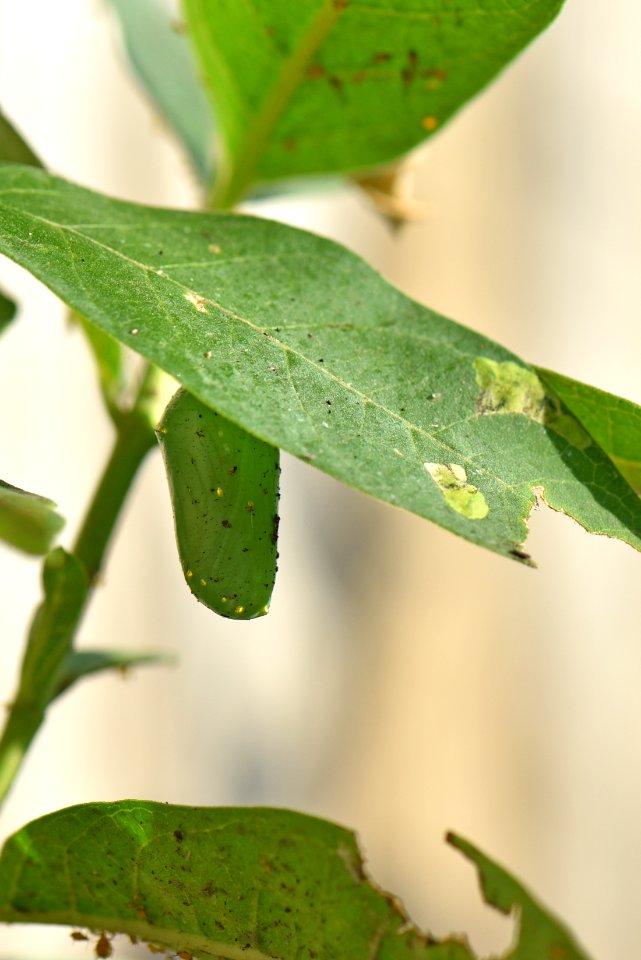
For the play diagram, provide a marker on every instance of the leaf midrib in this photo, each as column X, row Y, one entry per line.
column 274, row 105
column 147, row 268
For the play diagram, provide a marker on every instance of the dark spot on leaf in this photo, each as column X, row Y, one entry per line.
column 103, row 946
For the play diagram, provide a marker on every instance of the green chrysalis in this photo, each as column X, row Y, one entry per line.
column 224, row 490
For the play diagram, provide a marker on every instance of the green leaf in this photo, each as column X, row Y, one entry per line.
column 325, row 86
column 162, row 60
column 541, row 936
column 84, row 663
column 302, row 344
column 258, row 884
column 7, row 311
column 13, row 148
column 614, row 423
column 53, row 628
column 27, row 520
column 224, row 491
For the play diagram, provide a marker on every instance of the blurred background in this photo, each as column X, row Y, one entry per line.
column 406, row 682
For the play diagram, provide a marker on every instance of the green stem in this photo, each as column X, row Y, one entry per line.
column 134, row 439
column 22, row 725
column 56, row 620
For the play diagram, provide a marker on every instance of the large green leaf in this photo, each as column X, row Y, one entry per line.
column 224, row 492
column 257, row 884
column 301, row 343
column 27, row 520
column 322, row 86
column 614, row 423
column 161, row 58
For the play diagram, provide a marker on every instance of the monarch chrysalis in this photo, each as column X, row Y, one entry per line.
column 224, row 490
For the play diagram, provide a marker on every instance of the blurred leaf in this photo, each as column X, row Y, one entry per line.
column 324, row 86
column 236, row 883
column 27, row 520
column 302, row 344
column 614, row 423
column 541, row 936
column 53, row 628
column 109, row 359
column 13, row 148
column 162, row 60
column 83, row 663
column 7, row 311
column 224, row 491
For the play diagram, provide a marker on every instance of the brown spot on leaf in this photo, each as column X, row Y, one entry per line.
column 103, row 946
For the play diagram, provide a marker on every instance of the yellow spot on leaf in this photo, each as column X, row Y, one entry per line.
column 239, row 610
column 197, row 301
column 429, row 123
column 509, row 388
column 214, row 248
column 464, row 497
column 219, row 491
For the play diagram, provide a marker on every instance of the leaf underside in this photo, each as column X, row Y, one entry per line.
column 324, row 86
column 301, row 343
column 27, row 520
column 252, row 883
column 614, row 423
column 224, row 493
column 160, row 57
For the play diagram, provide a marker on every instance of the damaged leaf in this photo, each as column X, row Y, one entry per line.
column 303, row 345
column 254, row 883
column 328, row 86
column 540, row 935
column 451, row 479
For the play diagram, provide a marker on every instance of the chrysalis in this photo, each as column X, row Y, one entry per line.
column 224, row 490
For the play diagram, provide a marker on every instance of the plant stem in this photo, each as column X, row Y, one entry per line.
column 134, row 439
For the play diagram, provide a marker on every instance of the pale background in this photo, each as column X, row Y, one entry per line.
column 406, row 682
